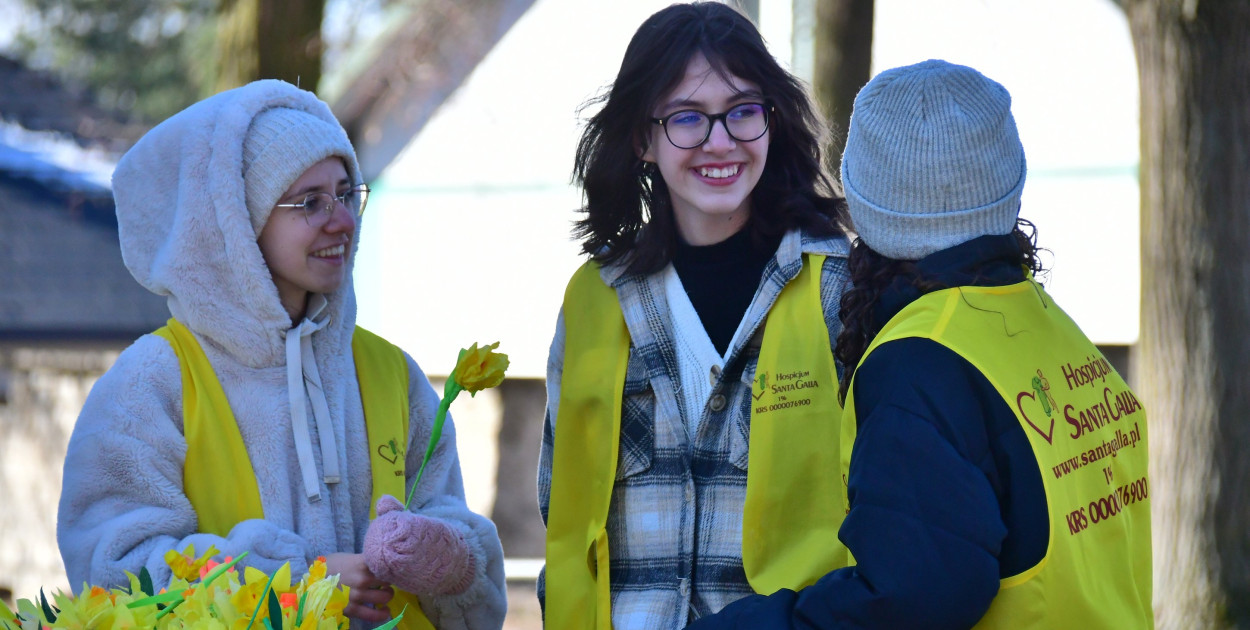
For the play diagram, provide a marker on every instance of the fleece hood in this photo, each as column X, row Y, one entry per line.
column 186, row 232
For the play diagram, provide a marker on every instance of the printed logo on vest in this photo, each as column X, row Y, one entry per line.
column 390, row 451
column 1041, row 387
column 1106, row 409
column 1039, row 394
column 788, row 390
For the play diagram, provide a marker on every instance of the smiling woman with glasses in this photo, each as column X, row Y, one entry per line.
column 261, row 419
column 716, row 268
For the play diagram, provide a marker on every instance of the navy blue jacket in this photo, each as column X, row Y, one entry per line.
column 945, row 494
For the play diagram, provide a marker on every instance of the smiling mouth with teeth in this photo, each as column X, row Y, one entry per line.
column 331, row 252
column 719, row 173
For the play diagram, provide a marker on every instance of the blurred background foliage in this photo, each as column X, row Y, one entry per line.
column 176, row 52
column 119, row 49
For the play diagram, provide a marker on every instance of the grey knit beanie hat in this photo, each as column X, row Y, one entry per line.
column 280, row 145
column 932, row 160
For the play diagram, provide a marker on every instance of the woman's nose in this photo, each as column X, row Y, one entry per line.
column 718, row 139
column 342, row 218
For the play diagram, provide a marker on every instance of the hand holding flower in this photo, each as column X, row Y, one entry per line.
column 416, row 553
column 368, row 595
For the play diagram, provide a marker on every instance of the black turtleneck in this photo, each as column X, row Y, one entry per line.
column 721, row 280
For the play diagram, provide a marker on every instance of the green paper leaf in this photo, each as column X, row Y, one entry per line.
column 5, row 613
column 47, row 609
column 275, row 611
column 159, row 598
column 26, row 609
column 299, row 612
column 145, row 582
column 176, row 596
column 393, row 622
column 220, row 569
column 170, row 608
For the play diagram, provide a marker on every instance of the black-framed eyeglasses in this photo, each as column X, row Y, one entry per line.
column 318, row 207
column 690, row 128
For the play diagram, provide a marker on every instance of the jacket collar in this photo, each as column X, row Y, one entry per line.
column 789, row 257
column 985, row 261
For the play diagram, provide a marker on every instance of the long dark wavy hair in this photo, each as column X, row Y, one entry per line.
column 623, row 195
column 871, row 273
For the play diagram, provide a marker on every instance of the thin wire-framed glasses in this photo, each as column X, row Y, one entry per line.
column 690, row 128
column 318, row 207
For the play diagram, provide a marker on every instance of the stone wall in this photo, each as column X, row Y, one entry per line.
column 41, row 393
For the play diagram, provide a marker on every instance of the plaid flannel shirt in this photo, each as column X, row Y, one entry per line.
column 675, row 521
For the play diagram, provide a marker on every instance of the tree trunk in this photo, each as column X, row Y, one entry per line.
column 516, row 497
column 1194, row 66
column 842, row 47
column 269, row 39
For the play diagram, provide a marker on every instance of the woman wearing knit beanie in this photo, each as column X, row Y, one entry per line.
column 998, row 475
column 261, row 419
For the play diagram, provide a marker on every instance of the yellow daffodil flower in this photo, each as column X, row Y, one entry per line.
column 186, row 565
column 212, row 599
column 480, row 368
column 476, row 369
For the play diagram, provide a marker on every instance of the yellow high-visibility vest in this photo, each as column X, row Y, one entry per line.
column 791, row 514
column 1088, row 433
column 217, row 458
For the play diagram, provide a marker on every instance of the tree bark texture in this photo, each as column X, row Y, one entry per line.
column 1194, row 67
column 269, row 39
column 515, row 512
column 842, row 43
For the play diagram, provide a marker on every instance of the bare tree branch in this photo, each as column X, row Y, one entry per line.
column 418, row 65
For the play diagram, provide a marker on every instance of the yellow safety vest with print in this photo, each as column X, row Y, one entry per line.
column 216, row 453
column 1088, row 433
column 791, row 516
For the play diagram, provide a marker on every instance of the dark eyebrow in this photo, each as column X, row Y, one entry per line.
column 737, row 96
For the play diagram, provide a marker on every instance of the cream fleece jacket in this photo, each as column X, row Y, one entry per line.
column 186, row 234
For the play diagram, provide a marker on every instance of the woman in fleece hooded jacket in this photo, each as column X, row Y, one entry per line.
column 244, row 211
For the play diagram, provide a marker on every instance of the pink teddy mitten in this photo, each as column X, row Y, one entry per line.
column 416, row 553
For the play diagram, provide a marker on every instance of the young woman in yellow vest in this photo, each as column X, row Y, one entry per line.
column 261, row 419
column 996, row 462
column 698, row 335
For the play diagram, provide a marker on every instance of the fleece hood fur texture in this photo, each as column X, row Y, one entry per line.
column 186, row 232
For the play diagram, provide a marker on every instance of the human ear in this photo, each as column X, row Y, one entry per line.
column 646, row 154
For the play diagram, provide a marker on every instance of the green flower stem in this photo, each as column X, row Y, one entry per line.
column 450, row 390
column 222, row 568
column 261, row 600
column 216, row 572
column 176, row 596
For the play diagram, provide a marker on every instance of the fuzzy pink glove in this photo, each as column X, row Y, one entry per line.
column 415, row 553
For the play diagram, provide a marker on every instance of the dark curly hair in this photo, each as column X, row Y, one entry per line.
column 627, row 206
column 870, row 275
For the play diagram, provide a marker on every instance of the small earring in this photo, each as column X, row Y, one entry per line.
column 647, row 168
